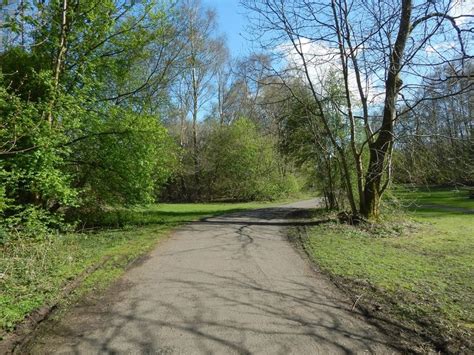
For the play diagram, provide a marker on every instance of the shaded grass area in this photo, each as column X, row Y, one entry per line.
column 34, row 272
column 164, row 214
column 441, row 198
column 417, row 268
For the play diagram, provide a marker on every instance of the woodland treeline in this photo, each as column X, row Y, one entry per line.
column 110, row 103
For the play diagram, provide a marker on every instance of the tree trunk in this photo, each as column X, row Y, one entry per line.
column 58, row 61
column 195, row 145
column 379, row 151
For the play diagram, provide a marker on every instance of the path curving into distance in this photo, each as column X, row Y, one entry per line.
column 225, row 285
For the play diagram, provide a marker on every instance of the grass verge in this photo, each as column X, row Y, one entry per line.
column 438, row 198
column 415, row 270
column 33, row 273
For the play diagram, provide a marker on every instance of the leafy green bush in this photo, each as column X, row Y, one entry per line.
column 90, row 153
column 128, row 158
column 240, row 164
column 33, row 180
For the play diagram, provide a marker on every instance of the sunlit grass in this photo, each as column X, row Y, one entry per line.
column 428, row 268
column 33, row 273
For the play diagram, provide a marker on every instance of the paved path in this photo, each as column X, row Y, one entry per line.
column 230, row 284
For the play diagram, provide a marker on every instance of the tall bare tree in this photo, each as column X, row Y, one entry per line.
column 382, row 51
column 203, row 56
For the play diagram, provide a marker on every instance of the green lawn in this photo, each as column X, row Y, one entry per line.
column 424, row 266
column 33, row 273
column 420, row 198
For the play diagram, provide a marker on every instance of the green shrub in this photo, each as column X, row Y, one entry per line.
column 240, row 164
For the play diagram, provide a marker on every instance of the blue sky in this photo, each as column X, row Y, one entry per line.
column 232, row 21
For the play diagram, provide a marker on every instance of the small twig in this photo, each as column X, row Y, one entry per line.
column 356, row 301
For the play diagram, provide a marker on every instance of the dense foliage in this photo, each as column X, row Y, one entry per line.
column 67, row 140
column 243, row 164
column 91, row 93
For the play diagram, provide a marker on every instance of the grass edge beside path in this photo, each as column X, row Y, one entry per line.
column 413, row 274
column 34, row 274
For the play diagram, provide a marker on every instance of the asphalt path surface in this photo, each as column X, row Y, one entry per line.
column 225, row 285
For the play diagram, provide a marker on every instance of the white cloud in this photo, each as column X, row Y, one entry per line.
column 460, row 8
column 321, row 61
column 440, row 47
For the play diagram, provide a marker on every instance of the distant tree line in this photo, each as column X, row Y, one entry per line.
column 434, row 140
